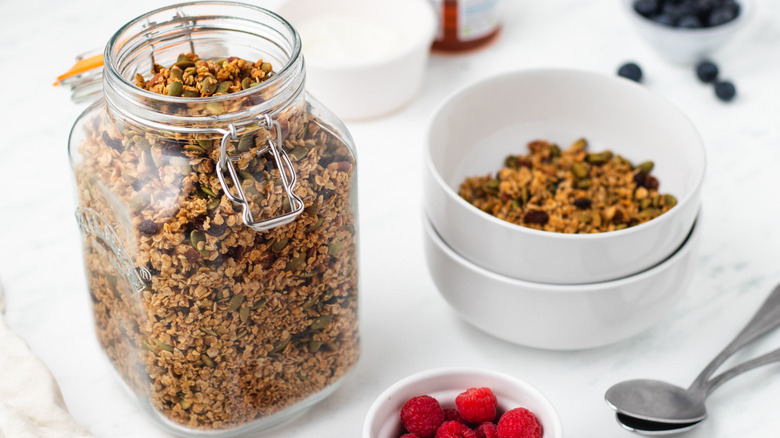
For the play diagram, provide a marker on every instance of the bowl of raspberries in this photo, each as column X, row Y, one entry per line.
column 462, row 403
column 688, row 31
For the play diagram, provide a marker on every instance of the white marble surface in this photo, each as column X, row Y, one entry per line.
column 406, row 326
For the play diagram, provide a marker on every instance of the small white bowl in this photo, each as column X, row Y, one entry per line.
column 559, row 317
column 364, row 58
column 444, row 384
column 687, row 46
column 476, row 128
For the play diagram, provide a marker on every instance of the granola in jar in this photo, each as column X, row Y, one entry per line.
column 214, row 325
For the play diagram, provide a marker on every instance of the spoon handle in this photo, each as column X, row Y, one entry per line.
column 764, row 359
column 767, row 317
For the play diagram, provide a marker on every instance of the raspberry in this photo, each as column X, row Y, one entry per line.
column 519, row 423
column 486, row 430
column 453, row 415
column 409, row 435
column 453, row 429
column 422, row 415
column 477, row 405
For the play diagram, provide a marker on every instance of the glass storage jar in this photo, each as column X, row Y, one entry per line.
column 220, row 232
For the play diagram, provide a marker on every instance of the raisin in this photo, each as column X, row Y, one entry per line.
column 148, row 227
column 583, row 203
column 536, row 217
column 651, row 183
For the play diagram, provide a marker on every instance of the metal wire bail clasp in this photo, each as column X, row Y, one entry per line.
column 286, row 174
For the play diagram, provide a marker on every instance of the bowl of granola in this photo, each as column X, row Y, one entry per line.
column 456, row 399
column 562, row 176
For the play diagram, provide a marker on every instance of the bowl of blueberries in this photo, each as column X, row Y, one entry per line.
column 688, row 31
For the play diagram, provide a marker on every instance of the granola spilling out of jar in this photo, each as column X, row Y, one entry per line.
column 569, row 191
column 215, row 324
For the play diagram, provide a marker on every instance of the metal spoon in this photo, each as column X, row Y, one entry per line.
column 658, row 401
column 691, row 400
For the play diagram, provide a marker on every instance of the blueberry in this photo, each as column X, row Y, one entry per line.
column 720, row 16
column 689, row 22
column 631, row 71
column 725, row 90
column 646, row 8
column 707, row 71
column 664, row 18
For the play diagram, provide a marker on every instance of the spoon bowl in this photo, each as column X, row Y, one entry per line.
column 651, row 400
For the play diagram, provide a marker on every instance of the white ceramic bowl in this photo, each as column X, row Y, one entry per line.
column 687, row 46
column 474, row 130
column 444, row 384
column 558, row 317
column 364, row 58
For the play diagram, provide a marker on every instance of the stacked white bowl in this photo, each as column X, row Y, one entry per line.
column 554, row 290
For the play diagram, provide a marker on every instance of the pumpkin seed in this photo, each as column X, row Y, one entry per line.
column 176, row 73
column 235, row 303
column 209, row 85
column 335, row 247
column 493, row 184
column 243, row 314
column 213, row 203
column 182, row 58
column 163, row 345
column 241, row 334
column 260, row 303
column 205, row 143
column 670, row 200
column 645, row 167
column 579, row 145
column 175, row 88
column 583, row 184
column 296, row 262
column 649, row 213
column 579, row 170
column 299, row 152
column 189, row 93
column 207, row 360
column 315, row 226
column 223, row 87
column 278, row 347
column 246, row 83
column 214, row 108
column 196, row 237
column 555, row 151
column 184, row 64
column 246, row 142
column 265, row 67
column 279, row 244
column 143, row 144
column 207, row 190
column 314, row 345
column 147, row 346
column 208, row 331
column 321, row 322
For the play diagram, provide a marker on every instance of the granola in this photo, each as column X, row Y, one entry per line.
column 569, row 191
column 229, row 325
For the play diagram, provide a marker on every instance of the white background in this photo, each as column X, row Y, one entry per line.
column 406, row 325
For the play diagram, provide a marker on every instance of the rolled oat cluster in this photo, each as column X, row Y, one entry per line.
column 214, row 324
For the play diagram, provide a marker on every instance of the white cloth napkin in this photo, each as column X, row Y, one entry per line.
column 31, row 404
